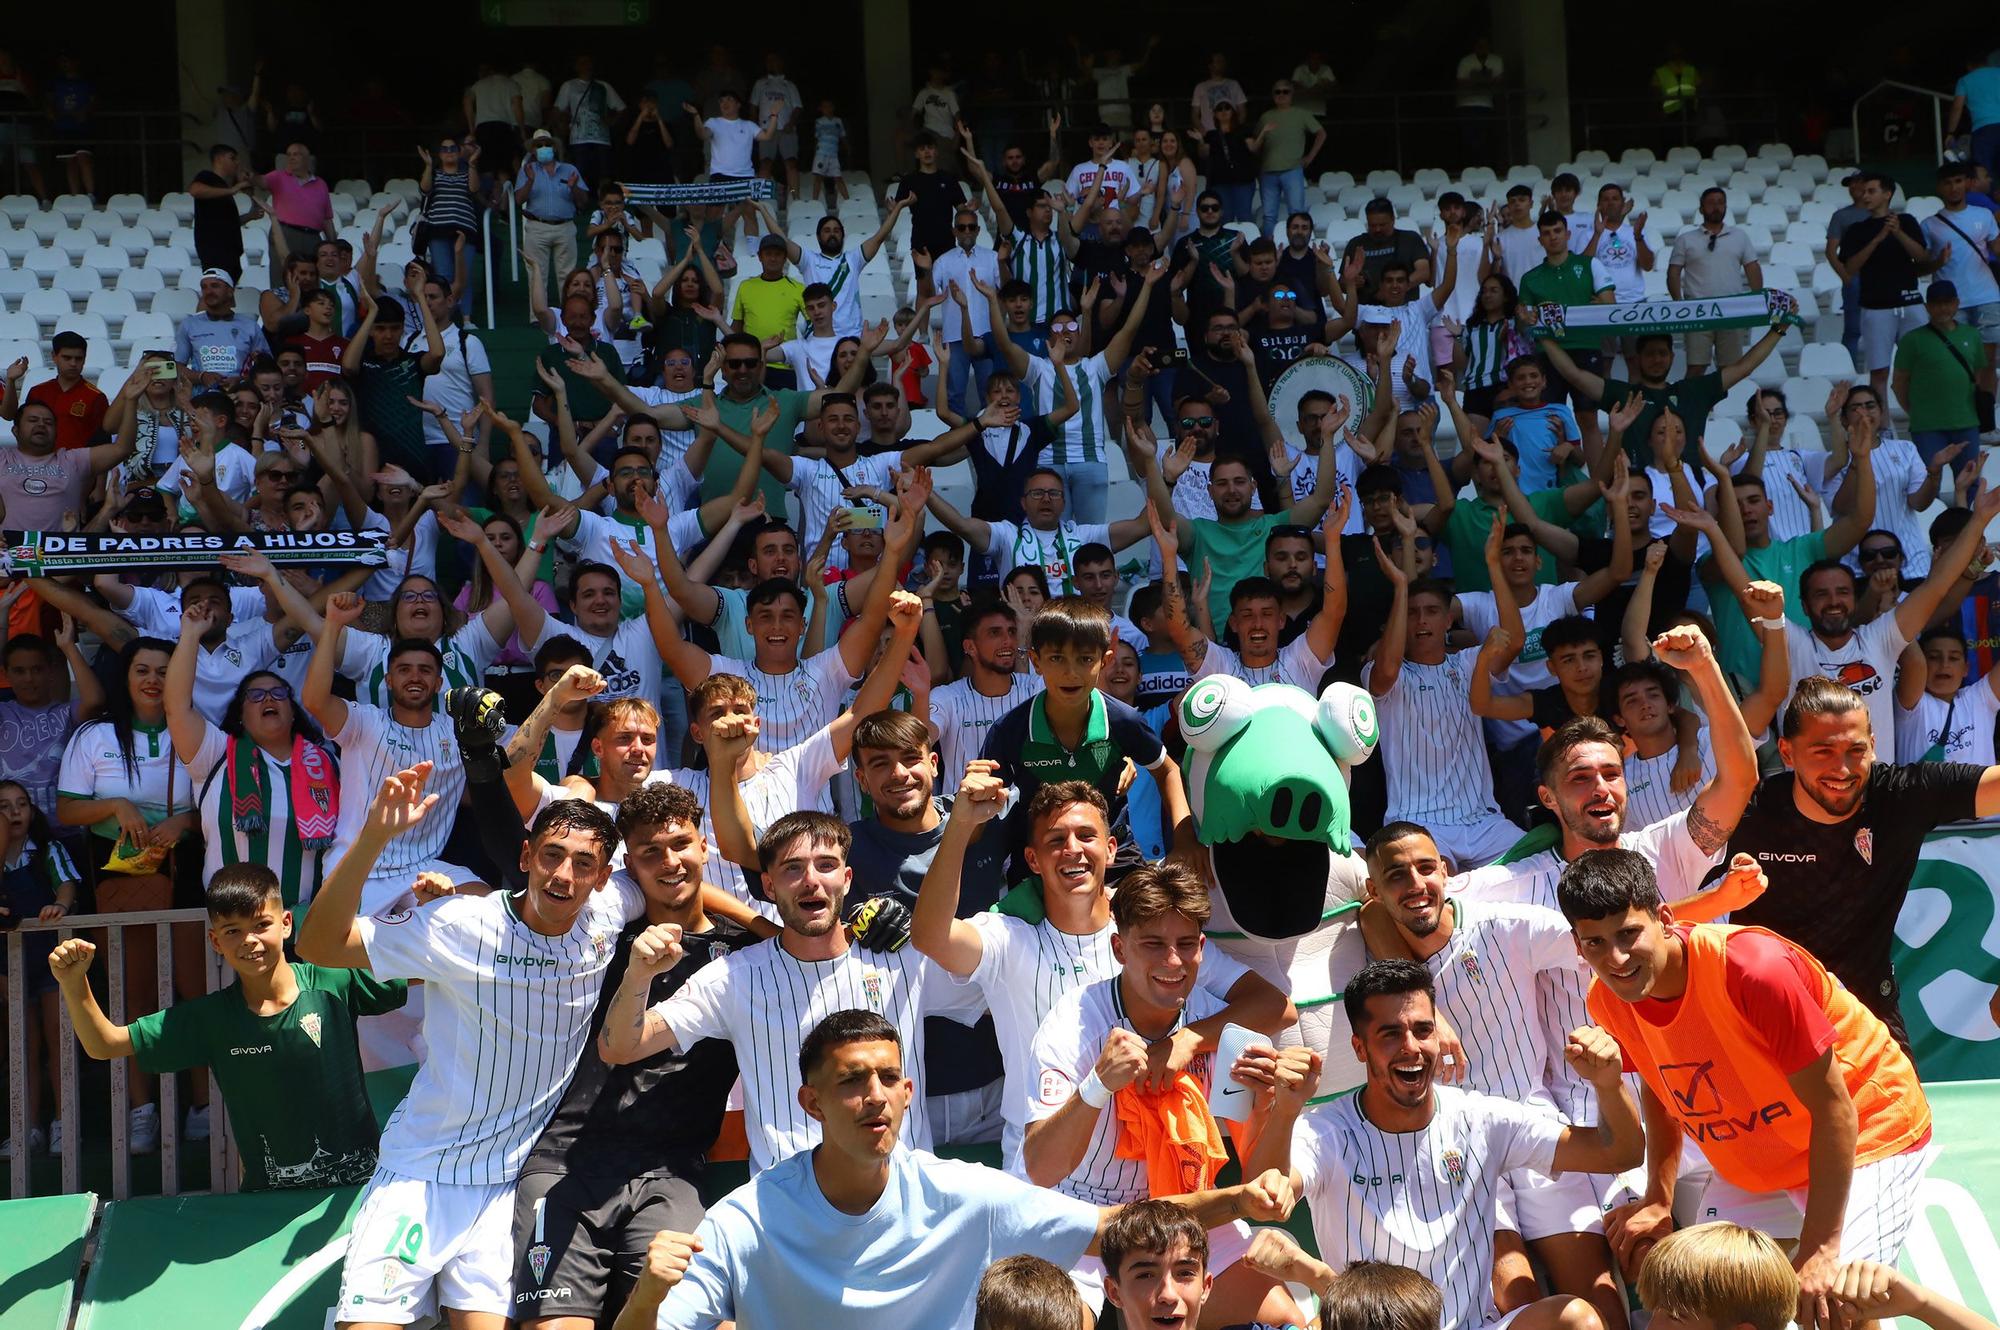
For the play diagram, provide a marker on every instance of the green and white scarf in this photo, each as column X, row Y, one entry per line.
column 1751, row 309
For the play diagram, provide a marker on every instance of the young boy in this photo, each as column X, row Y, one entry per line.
column 280, row 1040
column 768, row 307
column 1953, row 720
column 1071, row 731
column 1028, row 1293
column 1545, row 432
column 1155, row 1256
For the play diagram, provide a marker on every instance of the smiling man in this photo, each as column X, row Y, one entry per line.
column 1407, row 1171
column 765, row 996
column 1807, row 1112
column 1839, row 836
column 1094, row 1047
column 854, row 1225
column 511, row 982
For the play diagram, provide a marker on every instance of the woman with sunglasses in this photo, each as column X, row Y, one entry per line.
column 121, row 780
column 450, row 185
column 1231, row 164
column 265, row 788
column 1883, row 585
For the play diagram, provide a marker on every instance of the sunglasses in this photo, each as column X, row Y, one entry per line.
column 277, row 693
column 1281, row 92
column 740, row 362
column 418, row 597
column 1208, row 207
column 282, row 477
column 1283, row 295
column 974, row 226
column 1197, row 422
column 447, row 147
column 1711, row 244
column 1066, row 325
column 625, row 471
column 1881, row 552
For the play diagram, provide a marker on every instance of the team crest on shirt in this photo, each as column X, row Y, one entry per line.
column 871, row 985
column 1864, row 844
column 391, row 1271
column 310, row 1023
column 538, row 1261
column 1452, row 1164
column 717, row 950
column 1470, row 964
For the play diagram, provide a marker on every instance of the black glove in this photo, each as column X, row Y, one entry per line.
column 881, row 923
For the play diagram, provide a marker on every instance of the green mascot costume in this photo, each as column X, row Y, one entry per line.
column 1267, row 784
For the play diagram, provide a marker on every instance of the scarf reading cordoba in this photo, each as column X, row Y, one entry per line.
column 1751, row 309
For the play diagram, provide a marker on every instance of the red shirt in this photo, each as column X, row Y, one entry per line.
column 79, row 412
column 322, row 357
column 1767, row 982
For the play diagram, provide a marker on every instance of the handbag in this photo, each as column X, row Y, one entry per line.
column 1982, row 400
column 132, row 859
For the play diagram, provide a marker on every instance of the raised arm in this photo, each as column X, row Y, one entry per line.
column 1917, row 607
column 1719, row 807
column 329, row 935
column 935, row 928
column 1395, row 630
column 187, row 726
column 859, row 643
column 317, row 690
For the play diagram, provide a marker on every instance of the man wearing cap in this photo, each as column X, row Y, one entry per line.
column 549, row 191
column 216, row 343
column 301, row 206
column 1935, row 375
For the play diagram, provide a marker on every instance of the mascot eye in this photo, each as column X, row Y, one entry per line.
column 1215, row 711
column 1346, row 722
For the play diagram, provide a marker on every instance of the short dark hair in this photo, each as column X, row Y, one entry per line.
column 853, row 1026
column 658, row 805
column 1061, row 794
column 1070, row 621
column 1551, row 218
column 1378, row 478
column 1377, row 206
column 403, row 646
column 1645, row 671
column 41, row 646
column 893, row 731
column 744, row 340
column 1093, row 553
column 815, row 827
column 567, row 815
column 1573, row 733
column 1569, row 631
column 1520, row 192
column 1944, row 632
column 1152, row 1226
column 1384, row 978
column 388, row 312
column 1566, row 180
column 592, row 568
column 1601, row 883
column 1817, row 695
column 1152, row 891
column 989, row 607
column 1391, row 832
column 237, row 890
column 561, row 647
column 1255, row 587
column 774, row 589
column 68, row 341
column 817, row 291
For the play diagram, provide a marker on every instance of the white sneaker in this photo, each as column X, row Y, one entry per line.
column 197, row 1123
column 142, row 1127
column 35, row 1143
column 56, row 1138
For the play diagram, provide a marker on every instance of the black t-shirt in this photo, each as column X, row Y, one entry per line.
column 1277, row 348
column 1101, row 258
column 1670, row 591
column 651, row 1117
column 217, row 230
column 887, row 862
column 1837, row 888
column 1376, row 251
column 1552, row 710
column 1301, row 274
column 1369, row 597
column 1889, row 278
column 1017, row 192
column 934, row 196
column 1156, row 327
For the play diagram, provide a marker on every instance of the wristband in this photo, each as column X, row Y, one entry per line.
column 1776, row 625
column 1093, row 1091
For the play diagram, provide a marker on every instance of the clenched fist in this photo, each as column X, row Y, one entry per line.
column 656, row 949
column 1122, row 1061
column 70, row 961
column 1596, row 1057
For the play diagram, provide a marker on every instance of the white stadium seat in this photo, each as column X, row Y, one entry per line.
column 46, row 306
column 151, row 330
column 1827, row 360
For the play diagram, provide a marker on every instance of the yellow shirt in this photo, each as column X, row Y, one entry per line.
column 770, row 309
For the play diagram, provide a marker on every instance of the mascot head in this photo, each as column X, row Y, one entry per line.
column 1268, row 792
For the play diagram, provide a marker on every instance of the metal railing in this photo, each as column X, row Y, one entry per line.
column 136, row 151
column 223, row 1163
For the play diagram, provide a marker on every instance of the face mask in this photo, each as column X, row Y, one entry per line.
column 545, row 154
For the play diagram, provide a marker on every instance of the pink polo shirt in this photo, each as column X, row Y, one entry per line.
column 306, row 204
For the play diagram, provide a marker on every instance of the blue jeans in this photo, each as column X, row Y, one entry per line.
column 1089, row 489
column 1986, row 147
column 1237, row 201
column 1930, row 442
column 963, row 367
column 1292, row 184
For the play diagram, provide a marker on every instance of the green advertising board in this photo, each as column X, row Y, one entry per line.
column 1948, row 957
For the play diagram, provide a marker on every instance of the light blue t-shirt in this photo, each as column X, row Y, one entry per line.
column 1967, row 267
column 1981, row 90
column 1537, row 430
column 218, row 346
column 775, row 1253
column 733, row 609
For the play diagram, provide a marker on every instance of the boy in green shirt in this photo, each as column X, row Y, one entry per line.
column 280, row 1040
column 1564, row 278
column 769, row 306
